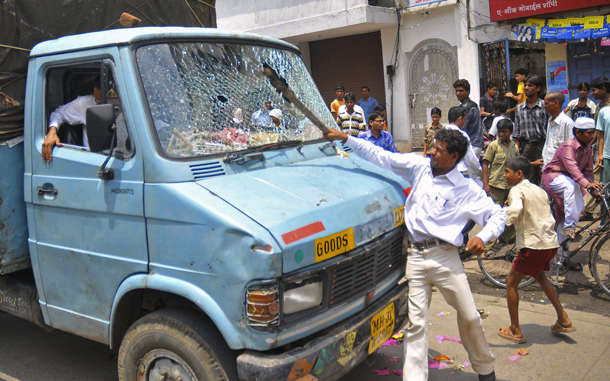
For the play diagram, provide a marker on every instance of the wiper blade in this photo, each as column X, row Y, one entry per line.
column 282, row 144
column 255, row 152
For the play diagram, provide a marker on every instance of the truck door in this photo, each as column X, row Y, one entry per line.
column 89, row 233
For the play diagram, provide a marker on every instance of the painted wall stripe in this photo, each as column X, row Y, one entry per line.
column 303, row 232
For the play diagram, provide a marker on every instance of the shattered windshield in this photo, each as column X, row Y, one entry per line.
column 212, row 98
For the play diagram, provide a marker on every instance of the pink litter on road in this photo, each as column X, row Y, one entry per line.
column 383, row 372
column 513, row 358
column 443, row 313
column 466, row 364
column 442, row 338
column 394, row 359
column 390, row 342
column 397, row 372
column 437, row 365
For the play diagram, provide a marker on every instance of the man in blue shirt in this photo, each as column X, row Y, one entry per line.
column 377, row 135
column 367, row 103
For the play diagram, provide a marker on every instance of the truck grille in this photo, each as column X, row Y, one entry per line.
column 363, row 271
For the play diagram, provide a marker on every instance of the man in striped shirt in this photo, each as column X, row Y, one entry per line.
column 351, row 117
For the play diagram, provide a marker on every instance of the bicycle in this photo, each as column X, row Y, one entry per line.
column 499, row 259
column 496, row 264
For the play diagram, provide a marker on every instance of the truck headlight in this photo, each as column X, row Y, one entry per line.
column 302, row 295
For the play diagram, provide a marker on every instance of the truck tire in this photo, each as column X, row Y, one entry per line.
column 174, row 344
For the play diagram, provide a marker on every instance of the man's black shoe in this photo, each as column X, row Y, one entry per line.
column 487, row 377
column 586, row 216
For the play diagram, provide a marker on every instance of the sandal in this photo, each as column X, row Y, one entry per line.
column 558, row 328
column 576, row 266
column 507, row 334
column 570, row 232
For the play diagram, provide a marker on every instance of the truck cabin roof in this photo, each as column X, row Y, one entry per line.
column 132, row 35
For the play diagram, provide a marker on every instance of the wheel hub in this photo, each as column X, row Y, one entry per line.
column 162, row 365
column 559, row 266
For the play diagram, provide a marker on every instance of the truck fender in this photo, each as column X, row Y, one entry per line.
column 180, row 288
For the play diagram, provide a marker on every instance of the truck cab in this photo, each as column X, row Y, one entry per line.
column 215, row 245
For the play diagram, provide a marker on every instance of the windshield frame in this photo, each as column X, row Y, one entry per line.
column 144, row 101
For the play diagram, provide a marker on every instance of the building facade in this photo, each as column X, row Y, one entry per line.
column 409, row 52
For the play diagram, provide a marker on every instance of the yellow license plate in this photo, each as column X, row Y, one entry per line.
column 334, row 244
column 382, row 327
column 399, row 216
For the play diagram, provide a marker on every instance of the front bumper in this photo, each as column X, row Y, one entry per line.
column 329, row 354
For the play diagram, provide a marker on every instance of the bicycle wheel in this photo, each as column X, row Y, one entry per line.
column 496, row 264
column 600, row 264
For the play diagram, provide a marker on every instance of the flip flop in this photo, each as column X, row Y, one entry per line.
column 558, row 328
column 507, row 334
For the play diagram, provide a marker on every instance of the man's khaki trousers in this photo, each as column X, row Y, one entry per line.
column 441, row 267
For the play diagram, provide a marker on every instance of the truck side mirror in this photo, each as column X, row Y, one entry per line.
column 100, row 120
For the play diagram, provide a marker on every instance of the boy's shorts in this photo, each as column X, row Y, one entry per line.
column 531, row 262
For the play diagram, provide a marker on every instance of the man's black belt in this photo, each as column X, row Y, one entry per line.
column 423, row 245
column 534, row 141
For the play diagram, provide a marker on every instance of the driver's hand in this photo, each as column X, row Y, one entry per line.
column 476, row 246
column 49, row 142
column 336, row 135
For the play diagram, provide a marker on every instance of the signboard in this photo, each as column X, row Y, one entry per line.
column 512, row 9
column 525, row 33
column 557, row 79
column 415, row 3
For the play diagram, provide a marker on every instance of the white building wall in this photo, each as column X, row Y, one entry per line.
column 398, row 99
column 286, row 19
column 468, row 52
column 302, row 21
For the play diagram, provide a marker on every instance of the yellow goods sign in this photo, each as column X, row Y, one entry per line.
column 594, row 22
column 536, row 22
column 558, row 23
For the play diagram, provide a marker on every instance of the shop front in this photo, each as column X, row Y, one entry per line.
column 566, row 42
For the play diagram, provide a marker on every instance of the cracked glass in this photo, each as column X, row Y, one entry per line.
column 213, row 98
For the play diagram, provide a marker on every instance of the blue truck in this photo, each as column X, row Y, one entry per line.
column 199, row 242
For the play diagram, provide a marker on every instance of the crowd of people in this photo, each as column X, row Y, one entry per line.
column 547, row 152
column 365, row 118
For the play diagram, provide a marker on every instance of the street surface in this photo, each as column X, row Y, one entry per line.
column 28, row 353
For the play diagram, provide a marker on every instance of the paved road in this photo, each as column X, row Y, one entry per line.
column 28, row 353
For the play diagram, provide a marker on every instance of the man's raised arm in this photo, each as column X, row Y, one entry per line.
column 403, row 164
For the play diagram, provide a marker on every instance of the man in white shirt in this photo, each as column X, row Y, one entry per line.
column 261, row 118
column 500, row 108
column 559, row 128
column 441, row 202
column 470, row 166
column 72, row 113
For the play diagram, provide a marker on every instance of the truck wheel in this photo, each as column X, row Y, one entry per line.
column 175, row 344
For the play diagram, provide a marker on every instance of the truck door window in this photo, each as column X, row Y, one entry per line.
column 69, row 91
column 213, row 98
